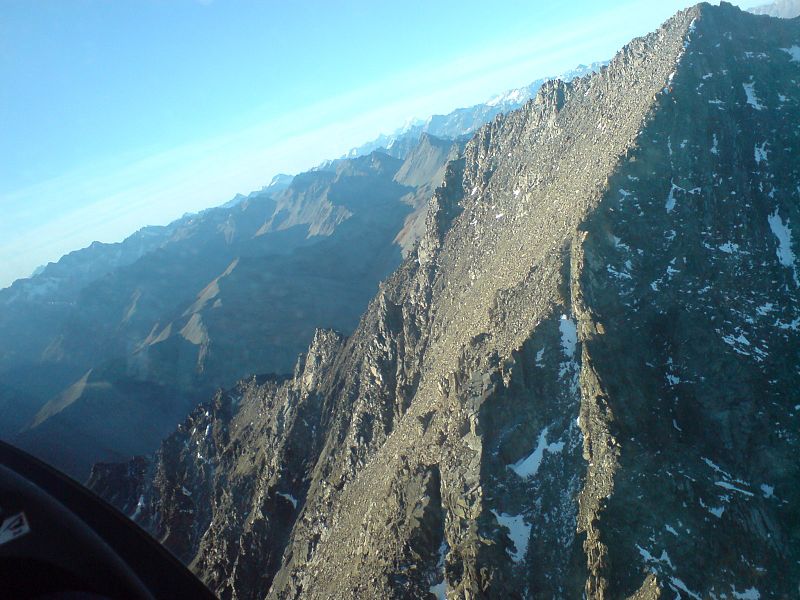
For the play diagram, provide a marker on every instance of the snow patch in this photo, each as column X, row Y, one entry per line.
column 289, row 497
column 440, row 589
column 645, row 554
column 765, row 308
column 670, row 204
column 539, row 357
column 733, row 488
column 678, row 585
column 760, row 153
column 569, row 335
column 737, row 343
column 139, row 507
column 716, row 467
column 767, row 490
column 749, row 594
column 519, row 533
column 793, row 52
column 618, row 243
column 528, row 466
column 618, row 274
column 788, row 326
column 649, row 558
column 752, row 98
column 782, row 231
column 729, row 248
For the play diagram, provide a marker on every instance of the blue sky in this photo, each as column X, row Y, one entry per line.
column 122, row 113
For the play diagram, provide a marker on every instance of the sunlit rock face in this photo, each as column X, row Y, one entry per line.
column 582, row 381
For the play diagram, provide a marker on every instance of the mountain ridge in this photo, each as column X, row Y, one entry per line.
column 155, row 332
column 578, row 384
column 465, row 121
column 785, row 9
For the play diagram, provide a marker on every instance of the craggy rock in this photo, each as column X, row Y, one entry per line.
column 581, row 383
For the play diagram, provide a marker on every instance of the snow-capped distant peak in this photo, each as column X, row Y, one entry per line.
column 516, row 96
column 409, row 124
column 465, row 121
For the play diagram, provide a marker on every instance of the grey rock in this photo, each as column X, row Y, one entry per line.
column 582, row 382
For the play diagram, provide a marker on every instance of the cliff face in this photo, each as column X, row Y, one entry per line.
column 582, row 381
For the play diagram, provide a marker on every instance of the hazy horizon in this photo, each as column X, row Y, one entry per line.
column 123, row 115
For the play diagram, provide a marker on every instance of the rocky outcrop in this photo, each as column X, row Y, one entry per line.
column 581, row 382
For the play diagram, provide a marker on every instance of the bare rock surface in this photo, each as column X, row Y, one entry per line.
column 581, row 382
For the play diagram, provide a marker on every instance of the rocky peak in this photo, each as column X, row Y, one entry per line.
column 323, row 348
column 581, row 383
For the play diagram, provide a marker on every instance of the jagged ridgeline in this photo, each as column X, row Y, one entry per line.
column 583, row 382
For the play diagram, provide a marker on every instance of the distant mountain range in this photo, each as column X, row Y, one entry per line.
column 463, row 122
column 786, row 9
